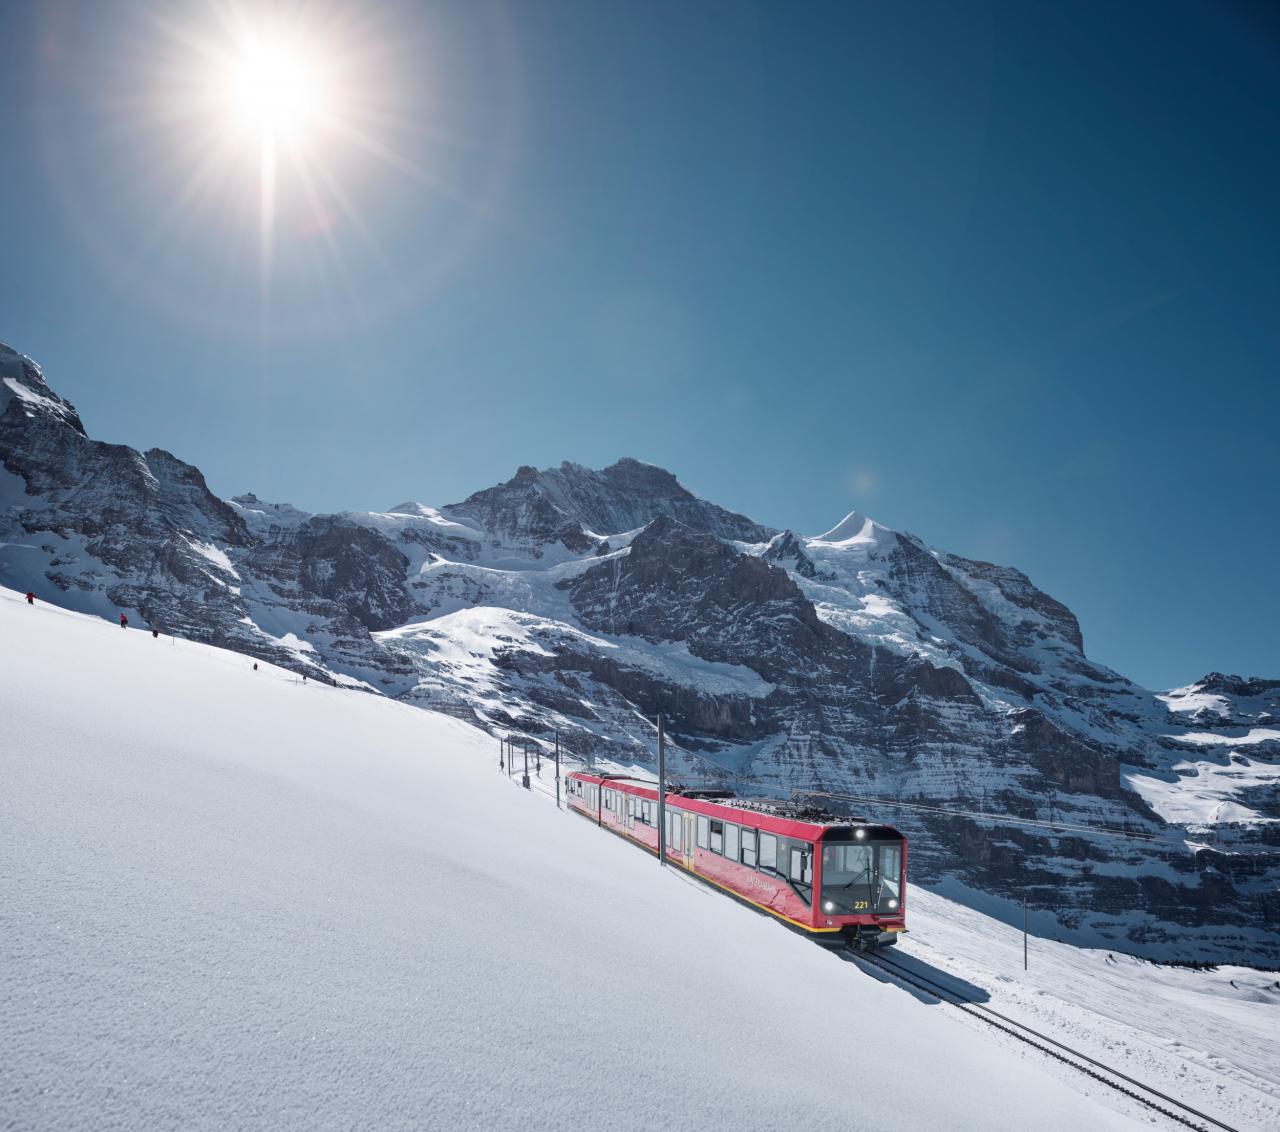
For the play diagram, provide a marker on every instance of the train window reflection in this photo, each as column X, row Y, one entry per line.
column 768, row 851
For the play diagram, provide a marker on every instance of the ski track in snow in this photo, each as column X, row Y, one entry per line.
column 228, row 899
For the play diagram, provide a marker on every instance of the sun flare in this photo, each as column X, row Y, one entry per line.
column 276, row 89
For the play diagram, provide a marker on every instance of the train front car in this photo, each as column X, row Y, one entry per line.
column 838, row 882
column 861, row 883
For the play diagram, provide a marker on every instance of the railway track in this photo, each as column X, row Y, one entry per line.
column 1162, row 1103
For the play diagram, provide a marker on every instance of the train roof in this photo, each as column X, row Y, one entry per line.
column 801, row 820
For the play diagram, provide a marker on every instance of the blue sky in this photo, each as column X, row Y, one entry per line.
column 1003, row 275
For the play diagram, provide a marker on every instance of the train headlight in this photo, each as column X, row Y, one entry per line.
column 859, row 833
column 893, row 903
column 829, row 906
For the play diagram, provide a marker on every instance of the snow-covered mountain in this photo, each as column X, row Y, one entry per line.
column 857, row 662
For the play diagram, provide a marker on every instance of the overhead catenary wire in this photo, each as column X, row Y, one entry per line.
column 949, row 811
column 986, row 815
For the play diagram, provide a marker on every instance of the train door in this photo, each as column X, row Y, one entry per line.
column 687, row 839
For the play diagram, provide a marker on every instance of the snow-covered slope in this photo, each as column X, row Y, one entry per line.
column 229, row 899
column 577, row 603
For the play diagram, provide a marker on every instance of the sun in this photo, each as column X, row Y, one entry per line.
column 276, row 89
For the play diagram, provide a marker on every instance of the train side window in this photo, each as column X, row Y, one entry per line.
column 704, row 835
column 768, row 851
column 749, row 847
column 801, row 864
column 717, row 836
column 676, row 823
column 731, row 841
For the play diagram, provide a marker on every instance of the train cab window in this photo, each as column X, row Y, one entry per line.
column 704, row 835
column 717, row 836
column 749, row 847
column 768, row 852
column 731, row 841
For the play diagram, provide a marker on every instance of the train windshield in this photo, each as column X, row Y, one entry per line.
column 861, row 877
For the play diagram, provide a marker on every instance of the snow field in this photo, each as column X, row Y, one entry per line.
column 1208, row 1038
column 231, row 900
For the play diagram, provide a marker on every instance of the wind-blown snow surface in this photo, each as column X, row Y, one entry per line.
column 228, row 899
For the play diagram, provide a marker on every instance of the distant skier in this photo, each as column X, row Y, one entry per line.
column 155, row 633
column 31, row 598
column 124, row 621
column 255, row 666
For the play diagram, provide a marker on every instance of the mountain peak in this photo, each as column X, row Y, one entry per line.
column 624, row 496
column 854, row 525
column 22, row 381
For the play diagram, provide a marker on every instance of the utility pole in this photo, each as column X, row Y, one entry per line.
column 511, row 757
column 526, row 764
column 662, row 794
column 1024, row 931
column 501, row 764
column 557, row 769
column 537, row 760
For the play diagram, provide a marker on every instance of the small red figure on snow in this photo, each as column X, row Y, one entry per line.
column 31, row 598
column 124, row 621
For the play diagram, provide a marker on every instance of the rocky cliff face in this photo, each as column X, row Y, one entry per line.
column 859, row 664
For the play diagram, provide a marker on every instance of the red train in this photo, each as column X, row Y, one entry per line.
column 842, row 883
